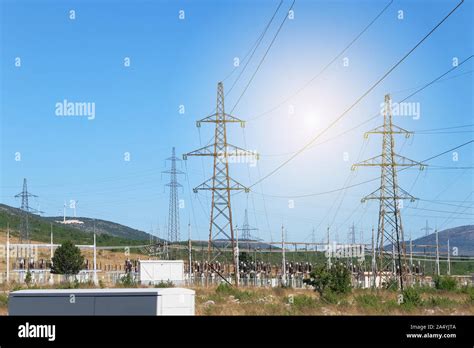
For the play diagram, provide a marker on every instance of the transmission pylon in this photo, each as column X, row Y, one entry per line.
column 390, row 248
column 173, row 216
column 427, row 228
column 221, row 184
column 352, row 234
column 26, row 210
column 246, row 230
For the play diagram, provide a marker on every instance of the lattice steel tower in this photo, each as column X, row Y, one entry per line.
column 221, row 184
column 391, row 263
column 173, row 217
column 26, row 210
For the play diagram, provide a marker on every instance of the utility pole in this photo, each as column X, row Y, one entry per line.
column 283, row 259
column 173, row 215
column 190, row 252
column 221, row 184
column 8, row 252
column 389, row 195
column 328, row 250
column 236, row 256
column 437, row 253
column 51, row 252
column 374, row 263
column 95, row 257
column 449, row 259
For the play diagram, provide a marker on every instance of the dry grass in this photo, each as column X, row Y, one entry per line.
column 277, row 301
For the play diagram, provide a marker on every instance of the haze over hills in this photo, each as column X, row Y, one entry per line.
column 461, row 237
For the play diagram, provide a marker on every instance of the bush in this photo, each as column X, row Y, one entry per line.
column 411, row 297
column 128, row 281
column 445, row 283
column 336, row 280
column 229, row 290
column 28, row 278
column 167, row 284
column 330, row 297
column 434, row 301
column 367, row 300
column 3, row 300
column 302, row 301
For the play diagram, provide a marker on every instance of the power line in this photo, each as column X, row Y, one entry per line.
column 263, row 58
column 361, row 97
column 370, row 180
column 325, row 67
column 260, row 39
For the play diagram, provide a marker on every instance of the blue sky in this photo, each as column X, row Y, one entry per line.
column 179, row 62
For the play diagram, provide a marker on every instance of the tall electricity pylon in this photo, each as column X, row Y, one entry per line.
column 173, row 218
column 26, row 210
column 221, row 184
column 245, row 231
column 427, row 228
column 390, row 264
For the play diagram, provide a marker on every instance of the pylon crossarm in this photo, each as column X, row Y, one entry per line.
column 203, row 151
column 376, row 195
column 233, row 186
column 214, row 118
column 398, row 161
column 374, row 161
column 402, row 161
column 395, row 130
column 173, row 171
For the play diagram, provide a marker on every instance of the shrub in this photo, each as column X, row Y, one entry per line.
column 167, row 284
column 330, row 297
column 368, row 300
column 336, row 279
column 128, row 281
column 28, row 278
column 3, row 300
column 435, row 301
column 411, row 297
column 445, row 283
column 302, row 301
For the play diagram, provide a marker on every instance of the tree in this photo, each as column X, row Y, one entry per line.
column 67, row 260
column 336, row 280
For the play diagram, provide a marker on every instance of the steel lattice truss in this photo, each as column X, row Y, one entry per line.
column 26, row 210
column 173, row 217
column 221, row 228
column 390, row 248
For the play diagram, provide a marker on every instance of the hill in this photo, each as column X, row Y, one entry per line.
column 108, row 233
column 461, row 237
